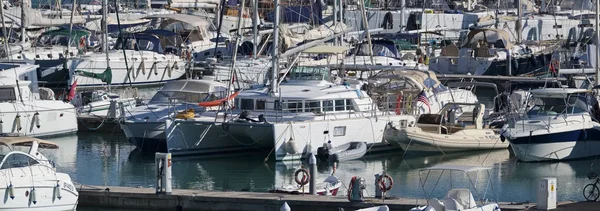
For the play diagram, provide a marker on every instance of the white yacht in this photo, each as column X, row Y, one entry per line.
column 27, row 112
column 305, row 112
column 144, row 125
column 152, row 57
column 558, row 127
column 103, row 104
column 490, row 52
column 30, row 180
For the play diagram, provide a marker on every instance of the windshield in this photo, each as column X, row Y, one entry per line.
column 555, row 106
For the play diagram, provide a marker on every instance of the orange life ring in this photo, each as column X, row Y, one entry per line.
column 382, row 184
column 305, row 177
column 398, row 104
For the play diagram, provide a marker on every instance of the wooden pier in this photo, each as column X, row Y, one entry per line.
column 146, row 198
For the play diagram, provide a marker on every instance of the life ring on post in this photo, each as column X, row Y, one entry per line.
column 381, row 182
column 305, row 177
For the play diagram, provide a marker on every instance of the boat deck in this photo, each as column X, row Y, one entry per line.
column 146, row 198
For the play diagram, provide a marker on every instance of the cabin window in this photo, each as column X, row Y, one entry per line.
column 339, row 105
column 294, row 106
column 260, row 104
column 18, row 161
column 328, row 105
column 246, row 104
column 312, row 106
column 7, row 94
column 339, row 131
column 349, row 105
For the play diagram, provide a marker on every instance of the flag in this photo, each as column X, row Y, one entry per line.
column 423, row 98
column 72, row 91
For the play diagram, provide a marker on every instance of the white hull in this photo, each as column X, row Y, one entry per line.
column 57, row 121
column 157, row 68
column 102, row 108
column 45, row 185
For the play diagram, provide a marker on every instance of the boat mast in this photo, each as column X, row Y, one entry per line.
column 105, row 34
column 597, row 40
column 366, row 28
column 255, row 19
column 25, row 5
column 71, row 26
column 519, row 22
column 275, row 50
column 237, row 43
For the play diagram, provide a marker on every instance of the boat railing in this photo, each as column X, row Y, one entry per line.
column 284, row 111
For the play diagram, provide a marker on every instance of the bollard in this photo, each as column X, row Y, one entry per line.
column 285, row 207
column 378, row 192
column 163, row 167
column 312, row 161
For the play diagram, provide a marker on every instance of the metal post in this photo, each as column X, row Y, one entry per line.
column 163, row 167
column 402, row 7
column 312, row 161
column 378, row 192
column 341, row 9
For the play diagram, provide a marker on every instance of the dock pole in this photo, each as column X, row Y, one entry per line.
column 163, row 167
column 312, row 161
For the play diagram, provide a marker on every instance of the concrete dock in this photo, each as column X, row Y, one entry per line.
column 146, row 198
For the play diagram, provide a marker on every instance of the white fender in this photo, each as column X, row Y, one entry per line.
column 32, row 197
column 36, row 119
column 57, row 191
column 11, row 191
column 18, row 122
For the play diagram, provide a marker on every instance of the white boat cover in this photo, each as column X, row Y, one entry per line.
column 328, row 29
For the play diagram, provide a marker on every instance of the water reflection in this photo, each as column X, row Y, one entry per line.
column 110, row 160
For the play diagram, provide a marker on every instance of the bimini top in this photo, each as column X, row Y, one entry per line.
column 489, row 35
column 450, row 167
column 27, row 141
column 556, row 92
column 196, row 21
column 194, row 86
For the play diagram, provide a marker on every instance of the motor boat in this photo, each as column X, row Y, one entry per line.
column 27, row 111
column 307, row 112
column 144, row 125
column 30, row 180
column 448, row 131
column 103, row 104
column 558, row 127
column 456, row 198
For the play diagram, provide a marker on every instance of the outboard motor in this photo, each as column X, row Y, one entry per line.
column 323, row 153
column 355, row 189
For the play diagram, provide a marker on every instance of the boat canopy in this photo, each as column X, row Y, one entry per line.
column 151, row 40
column 490, row 36
column 190, row 91
column 27, row 141
column 463, row 168
column 418, row 80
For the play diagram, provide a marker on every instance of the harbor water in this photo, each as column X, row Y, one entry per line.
column 109, row 159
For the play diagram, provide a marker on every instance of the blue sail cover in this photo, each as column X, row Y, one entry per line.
column 300, row 14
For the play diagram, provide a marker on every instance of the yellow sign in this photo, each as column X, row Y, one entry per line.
column 552, row 187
